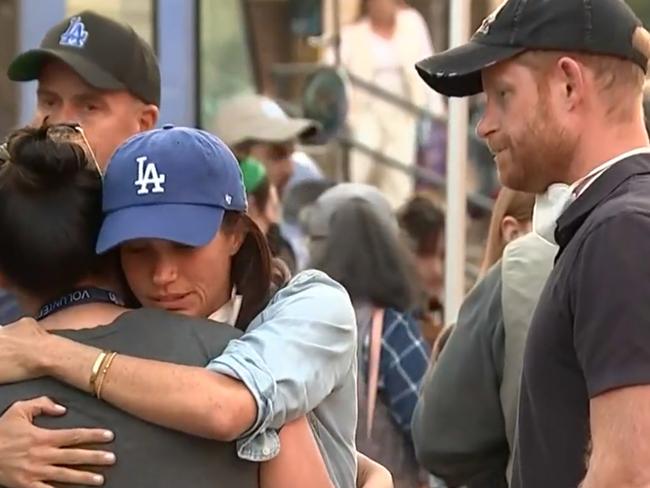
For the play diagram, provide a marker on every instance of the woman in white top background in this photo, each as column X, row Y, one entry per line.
column 382, row 47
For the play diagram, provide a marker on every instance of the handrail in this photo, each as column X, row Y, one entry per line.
column 425, row 174
column 365, row 85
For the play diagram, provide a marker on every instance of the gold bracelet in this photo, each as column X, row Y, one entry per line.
column 105, row 368
column 97, row 367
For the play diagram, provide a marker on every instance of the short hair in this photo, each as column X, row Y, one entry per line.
column 365, row 255
column 613, row 75
column 50, row 211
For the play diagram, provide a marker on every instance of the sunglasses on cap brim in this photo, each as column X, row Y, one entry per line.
column 65, row 129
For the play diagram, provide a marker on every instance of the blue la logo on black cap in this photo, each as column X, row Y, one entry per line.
column 75, row 35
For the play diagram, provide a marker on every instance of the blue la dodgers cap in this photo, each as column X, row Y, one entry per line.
column 174, row 183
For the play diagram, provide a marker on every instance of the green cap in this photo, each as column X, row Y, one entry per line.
column 254, row 173
column 107, row 54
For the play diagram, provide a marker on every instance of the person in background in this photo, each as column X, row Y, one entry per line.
column 297, row 200
column 265, row 209
column 355, row 239
column 381, row 48
column 512, row 217
column 256, row 126
column 494, row 317
column 465, row 421
column 423, row 224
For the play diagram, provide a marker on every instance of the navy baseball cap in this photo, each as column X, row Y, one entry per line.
column 601, row 27
column 173, row 183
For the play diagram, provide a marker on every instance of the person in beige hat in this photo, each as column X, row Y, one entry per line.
column 256, row 126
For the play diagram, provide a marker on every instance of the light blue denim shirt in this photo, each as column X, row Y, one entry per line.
column 297, row 357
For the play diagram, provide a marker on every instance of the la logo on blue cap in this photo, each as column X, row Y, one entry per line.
column 75, row 35
column 148, row 175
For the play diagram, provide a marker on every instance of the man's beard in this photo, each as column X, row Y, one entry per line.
column 543, row 152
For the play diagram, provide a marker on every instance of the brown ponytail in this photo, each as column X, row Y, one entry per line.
column 254, row 272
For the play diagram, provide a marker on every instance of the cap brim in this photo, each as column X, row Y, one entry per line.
column 190, row 225
column 457, row 72
column 286, row 130
column 28, row 67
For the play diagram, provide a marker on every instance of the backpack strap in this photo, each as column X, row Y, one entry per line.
column 376, row 332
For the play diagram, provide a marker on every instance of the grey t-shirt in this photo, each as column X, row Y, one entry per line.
column 148, row 456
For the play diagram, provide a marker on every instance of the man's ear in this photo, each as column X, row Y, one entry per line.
column 148, row 117
column 511, row 229
column 573, row 81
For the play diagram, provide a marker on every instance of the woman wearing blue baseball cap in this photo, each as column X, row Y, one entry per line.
column 72, row 292
column 174, row 206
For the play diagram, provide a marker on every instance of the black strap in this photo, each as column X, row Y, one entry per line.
column 80, row 296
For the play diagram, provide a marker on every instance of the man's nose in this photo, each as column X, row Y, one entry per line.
column 486, row 126
column 66, row 114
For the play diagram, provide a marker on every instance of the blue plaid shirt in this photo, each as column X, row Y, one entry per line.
column 403, row 364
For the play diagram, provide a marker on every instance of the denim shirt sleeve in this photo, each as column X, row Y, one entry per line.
column 292, row 356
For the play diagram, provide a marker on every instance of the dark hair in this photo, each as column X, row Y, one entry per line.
column 50, row 211
column 262, row 193
column 365, row 255
column 423, row 223
column 254, row 272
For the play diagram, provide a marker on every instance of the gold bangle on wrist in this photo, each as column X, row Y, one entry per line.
column 97, row 367
column 104, row 370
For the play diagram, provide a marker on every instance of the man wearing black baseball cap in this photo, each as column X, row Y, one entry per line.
column 97, row 72
column 563, row 81
column 102, row 75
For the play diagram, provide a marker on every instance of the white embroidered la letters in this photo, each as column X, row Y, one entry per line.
column 148, row 175
column 75, row 35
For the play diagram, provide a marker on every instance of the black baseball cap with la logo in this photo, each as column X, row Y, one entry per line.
column 107, row 54
column 605, row 27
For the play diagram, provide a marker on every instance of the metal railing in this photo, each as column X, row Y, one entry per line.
column 425, row 175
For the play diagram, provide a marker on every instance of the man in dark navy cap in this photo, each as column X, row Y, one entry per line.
column 564, row 119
